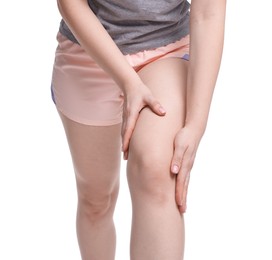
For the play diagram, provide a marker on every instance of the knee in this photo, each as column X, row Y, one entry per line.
column 149, row 174
column 96, row 203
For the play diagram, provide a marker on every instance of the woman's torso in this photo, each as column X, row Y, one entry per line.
column 140, row 24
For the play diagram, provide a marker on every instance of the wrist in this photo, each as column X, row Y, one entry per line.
column 131, row 85
column 129, row 80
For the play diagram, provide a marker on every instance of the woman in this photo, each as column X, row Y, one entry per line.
column 122, row 74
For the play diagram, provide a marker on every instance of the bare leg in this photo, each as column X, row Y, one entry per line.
column 96, row 157
column 157, row 226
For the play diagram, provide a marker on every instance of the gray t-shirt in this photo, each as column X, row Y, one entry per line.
column 139, row 25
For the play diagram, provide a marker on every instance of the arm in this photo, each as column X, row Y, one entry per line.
column 207, row 36
column 93, row 37
column 207, row 19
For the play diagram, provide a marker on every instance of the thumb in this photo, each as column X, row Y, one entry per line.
column 155, row 106
column 177, row 159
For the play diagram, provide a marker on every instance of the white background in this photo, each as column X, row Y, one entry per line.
column 229, row 209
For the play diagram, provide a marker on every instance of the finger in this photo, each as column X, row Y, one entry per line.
column 185, row 193
column 128, row 129
column 177, row 159
column 181, row 178
column 183, row 190
column 179, row 190
column 155, row 106
column 180, row 209
column 183, row 175
column 124, row 125
column 125, row 156
column 175, row 169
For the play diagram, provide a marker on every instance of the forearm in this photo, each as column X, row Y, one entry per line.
column 206, row 45
column 93, row 37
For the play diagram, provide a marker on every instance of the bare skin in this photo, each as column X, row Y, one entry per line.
column 96, row 154
column 157, row 226
column 159, row 141
column 207, row 18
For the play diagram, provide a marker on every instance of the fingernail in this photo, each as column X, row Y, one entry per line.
column 175, row 169
column 161, row 109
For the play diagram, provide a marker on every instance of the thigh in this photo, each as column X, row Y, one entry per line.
column 95, row 152
column 152, row 139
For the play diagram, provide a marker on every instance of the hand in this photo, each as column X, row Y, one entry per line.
column 135, row 100
column 185, row 146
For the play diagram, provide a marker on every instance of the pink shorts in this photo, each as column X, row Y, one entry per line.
column 83, row 92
